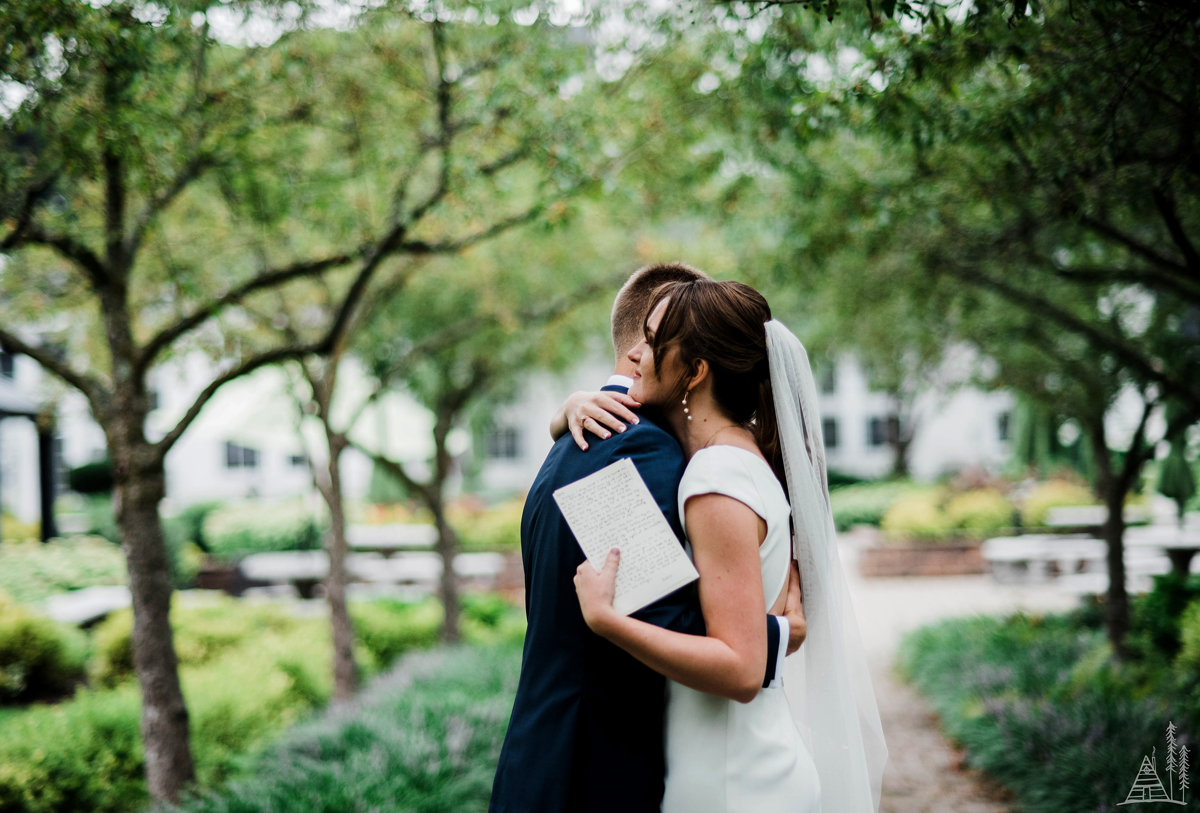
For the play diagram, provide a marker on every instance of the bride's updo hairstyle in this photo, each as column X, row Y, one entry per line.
column 724, row 323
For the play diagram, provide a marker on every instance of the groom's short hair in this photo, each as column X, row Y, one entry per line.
column 635, row 296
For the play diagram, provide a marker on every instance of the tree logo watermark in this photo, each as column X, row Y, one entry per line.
column 1148, row 786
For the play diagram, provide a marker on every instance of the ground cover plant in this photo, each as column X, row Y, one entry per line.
column 249, row 671
column 423, row 739
column 1039, row 703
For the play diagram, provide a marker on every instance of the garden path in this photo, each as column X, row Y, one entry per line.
column 924, row 772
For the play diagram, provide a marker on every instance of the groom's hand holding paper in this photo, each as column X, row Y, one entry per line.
column 613, row 508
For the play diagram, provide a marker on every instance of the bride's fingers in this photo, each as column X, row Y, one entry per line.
column 618, row 404
column 577, row 433
column 600, row 419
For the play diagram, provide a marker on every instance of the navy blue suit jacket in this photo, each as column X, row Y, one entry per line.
column 586, row 732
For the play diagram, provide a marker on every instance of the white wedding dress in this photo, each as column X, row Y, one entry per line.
column 724, row 756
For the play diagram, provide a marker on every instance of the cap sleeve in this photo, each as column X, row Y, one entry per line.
column 719, row 470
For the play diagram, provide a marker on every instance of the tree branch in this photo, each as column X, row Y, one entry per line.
column 269, row 279
column 1150, row 277
column 419, row 247
column 1166, row 208
column 274, row 356
column 1129, row 355
column 1134, row 245
column 67, row 247
column 92, row 388
column 188, row 173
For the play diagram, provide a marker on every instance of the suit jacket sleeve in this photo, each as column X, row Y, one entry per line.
column 660, row 462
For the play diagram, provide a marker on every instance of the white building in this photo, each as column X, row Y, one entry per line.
column 246, row 444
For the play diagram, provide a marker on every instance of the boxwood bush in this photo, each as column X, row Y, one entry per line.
column 236, row 530
column 38, row 658
column 866, row 503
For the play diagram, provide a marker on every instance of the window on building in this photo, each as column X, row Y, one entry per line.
column 298, row 461
column 1002, row 421
column 7, row 365
column 879, row 431
column 504, row 443
column 828, row 378
column 240, row 457
column 829, row 428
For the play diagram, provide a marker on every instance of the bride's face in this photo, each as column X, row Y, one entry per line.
column 648, row 387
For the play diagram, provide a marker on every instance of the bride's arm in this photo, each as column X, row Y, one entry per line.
column 592, row 411
column 731, row 660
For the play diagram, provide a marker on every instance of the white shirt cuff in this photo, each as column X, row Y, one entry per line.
column 785, row 630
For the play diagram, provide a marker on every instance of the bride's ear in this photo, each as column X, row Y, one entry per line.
column 700, row 373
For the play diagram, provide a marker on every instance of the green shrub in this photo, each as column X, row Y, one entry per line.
column 387, row 628
column 1053, row 494
column 202, row 633
column 233, row 531
column 1188, row 659
column 31, row 571
column 866, row 503
column 1039, row 704
column 1155, row 618
column 91, row 478
column 38, row 658
column 424, row 740
column 86, row 754
column 489, row 619
column 917, row 516
column 982, row 509
column 494, row 528
column 13, row 530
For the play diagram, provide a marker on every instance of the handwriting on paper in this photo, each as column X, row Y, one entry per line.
column 613, row 508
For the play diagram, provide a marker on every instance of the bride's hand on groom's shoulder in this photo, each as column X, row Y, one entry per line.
column 793, row 610
column 600, row 413
column 596, row 591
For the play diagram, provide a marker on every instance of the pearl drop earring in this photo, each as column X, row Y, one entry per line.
column 685, row 406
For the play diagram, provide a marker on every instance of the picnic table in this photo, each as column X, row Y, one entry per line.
column 1013, row 557
column 391, row 537
column 1179, row 544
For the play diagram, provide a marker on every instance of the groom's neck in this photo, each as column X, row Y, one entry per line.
column 625, row 367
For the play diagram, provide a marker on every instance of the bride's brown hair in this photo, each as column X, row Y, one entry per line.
column 723, row 323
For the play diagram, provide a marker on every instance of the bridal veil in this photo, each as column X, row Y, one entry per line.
column 827, row 681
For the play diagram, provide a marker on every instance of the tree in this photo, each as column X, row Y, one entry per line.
column 157, row 187
column 462, row 340
column 1035, row 175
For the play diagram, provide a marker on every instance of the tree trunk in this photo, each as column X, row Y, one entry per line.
column 1117, row 609
column 140, row 486
column 345, row 672
column 447, row 547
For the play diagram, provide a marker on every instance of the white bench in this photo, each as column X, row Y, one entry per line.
column 91, row 604
column 391, row 537
column 305, row 569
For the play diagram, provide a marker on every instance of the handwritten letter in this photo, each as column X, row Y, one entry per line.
column 613, row 508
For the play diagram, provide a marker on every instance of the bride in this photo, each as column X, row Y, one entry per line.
column 736, row 390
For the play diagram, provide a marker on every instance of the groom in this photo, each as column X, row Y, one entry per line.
column 586, row 733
